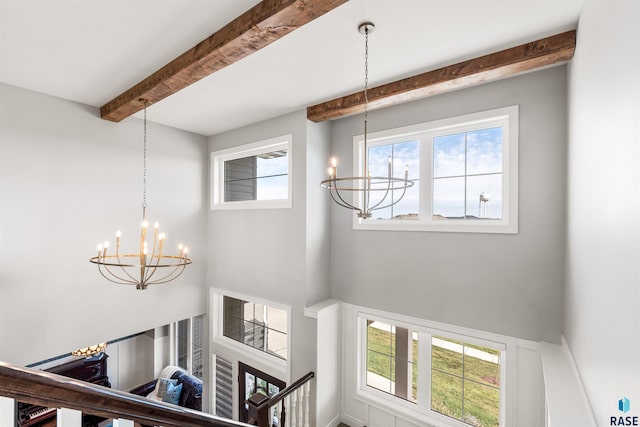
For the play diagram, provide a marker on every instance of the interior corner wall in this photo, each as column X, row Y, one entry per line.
column 602, row 319
column 262, row 252
column 318, row 213
column 69, row 180
column 507, row 284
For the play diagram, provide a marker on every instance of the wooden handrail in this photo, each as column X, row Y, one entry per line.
column 259, row 412
column 55, row 391
column 287, row 391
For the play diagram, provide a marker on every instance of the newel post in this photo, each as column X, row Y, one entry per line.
column 259, row 410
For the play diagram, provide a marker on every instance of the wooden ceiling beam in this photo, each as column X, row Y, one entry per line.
column 261, row 25
column 541, row 53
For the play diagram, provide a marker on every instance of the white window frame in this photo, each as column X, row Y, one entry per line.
column 260, row 359
column 218, row 159
column 421, row 411
column 173, row 333
column 507, row 117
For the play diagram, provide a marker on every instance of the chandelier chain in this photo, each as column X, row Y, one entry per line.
column 144, row 159
column 366, row 71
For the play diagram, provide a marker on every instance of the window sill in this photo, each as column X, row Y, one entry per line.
column 252, row 204
column 486, row 226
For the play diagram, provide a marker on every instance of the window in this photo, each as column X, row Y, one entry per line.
column 252, row 176
column 257, row 325
column 392, row 360
column 188, row 335
column 464, row 169
column 451, row 378
column 465, row 381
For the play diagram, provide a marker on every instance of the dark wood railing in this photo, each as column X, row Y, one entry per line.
column 55, row 391
column 260, row 407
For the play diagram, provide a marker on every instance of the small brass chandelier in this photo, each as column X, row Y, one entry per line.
column 368, row 193
column 148, row 266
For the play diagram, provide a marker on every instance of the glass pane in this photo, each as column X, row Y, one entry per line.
column 277, row 319
column 481, row 405
column 250, row 384
column 449, row 155
column 482, row 364
column 448, row 198
column 406, row 154
column 261, row 177
column 277, row 343
column 446, row 394
column 258, row 313
column 484, row 151
column 409, row 207
column 197, row 332
column 379, row 371
column 274, row 163
column 248, row 312
column 262, row 386
column 273, row 188
column 183, row 343
column 484, row 196
column 245, row 322
column 446, row 356
column 273, row 389
column 380, row 338
column 379, row 160
column 414, row 382
column 254, row 335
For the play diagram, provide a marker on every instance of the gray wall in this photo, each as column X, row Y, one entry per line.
column 508, row 284
column 602, row 320
column 69, row 180
column 270, row 253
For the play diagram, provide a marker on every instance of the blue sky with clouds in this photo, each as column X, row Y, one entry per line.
column 464, row 166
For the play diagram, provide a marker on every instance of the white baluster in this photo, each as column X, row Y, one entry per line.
column 69, row 418
column 300, row 406
column 279, row 412
column 287, row 408
column 7, row 411
column 293, row 411
column 122, row 423
column 307, row 392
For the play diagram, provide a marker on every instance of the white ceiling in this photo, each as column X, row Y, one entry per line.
column 90, row 51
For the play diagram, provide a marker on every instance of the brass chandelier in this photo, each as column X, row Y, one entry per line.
column 366, row 193
column 150, row 265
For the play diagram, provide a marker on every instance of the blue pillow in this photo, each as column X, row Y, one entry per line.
column 173, row 393
column 163, row 384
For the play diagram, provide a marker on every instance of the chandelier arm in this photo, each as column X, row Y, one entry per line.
column 153, row 270
column 124, row 270
column 342, row 202
column 386, row 193
column 119, row 280
column 174, row 274
column 404, row 190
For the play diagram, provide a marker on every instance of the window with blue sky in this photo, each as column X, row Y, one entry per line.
column 464, row 169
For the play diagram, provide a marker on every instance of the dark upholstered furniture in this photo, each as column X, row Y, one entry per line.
column 191, row 395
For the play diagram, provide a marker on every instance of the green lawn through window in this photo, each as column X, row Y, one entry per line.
column 465, row 379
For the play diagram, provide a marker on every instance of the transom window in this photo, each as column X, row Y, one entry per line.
column 257, row 325
column 455, row 379
column 252, row 176
column 464, row 169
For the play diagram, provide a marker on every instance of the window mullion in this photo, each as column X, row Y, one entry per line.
column 424, row 374
column 426, row 178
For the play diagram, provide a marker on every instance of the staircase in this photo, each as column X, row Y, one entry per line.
column 73, row 398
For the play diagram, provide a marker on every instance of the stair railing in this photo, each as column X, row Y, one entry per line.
column 55, row 391
column 292, row 404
